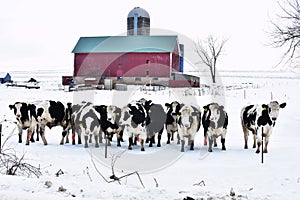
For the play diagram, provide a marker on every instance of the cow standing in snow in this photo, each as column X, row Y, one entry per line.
column 109, row 119
column 155, row 121
column 188, row 125
column 85, row 120
column 51, row 114
column 173, row 115
column 26, row 116
column 258, row 119
column 133, row 118
column 215, row 121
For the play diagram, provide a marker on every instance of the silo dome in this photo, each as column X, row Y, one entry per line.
column 139, row 11
column 138, row 22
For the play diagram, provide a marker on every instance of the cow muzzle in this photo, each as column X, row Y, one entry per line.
column 274, row 118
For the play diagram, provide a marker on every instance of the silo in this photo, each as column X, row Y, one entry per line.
column 138, row 22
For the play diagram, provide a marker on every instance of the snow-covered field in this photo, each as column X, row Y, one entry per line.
column 165, row 172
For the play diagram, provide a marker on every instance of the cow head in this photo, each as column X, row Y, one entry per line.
column 214, row 110
column 186, row 117
column 274, row 107
column 173, row 108
column 126, row 116
column 18, row 108
column 111, row 113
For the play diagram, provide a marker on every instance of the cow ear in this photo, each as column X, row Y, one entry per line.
column 221, row 107
column 282, row 105
column 205, row 108
column 167, row 105
column 11, row 106
column 264, row 107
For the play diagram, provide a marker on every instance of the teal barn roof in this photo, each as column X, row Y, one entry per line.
column 121, row 44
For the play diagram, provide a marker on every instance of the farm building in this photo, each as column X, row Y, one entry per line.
column 138, row 58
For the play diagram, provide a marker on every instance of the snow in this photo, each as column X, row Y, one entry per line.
column 165, row 172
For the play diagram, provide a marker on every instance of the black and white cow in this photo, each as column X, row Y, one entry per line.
column 155, row 122
column 258, row 119
column 26, row 116
column 215, row 122
column 109, row 120
column 85, row 120
column 133, row 119
column 173, row 115
column 53, row 113
column 188, row 125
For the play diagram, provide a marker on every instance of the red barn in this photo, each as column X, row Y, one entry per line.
column 127, row 59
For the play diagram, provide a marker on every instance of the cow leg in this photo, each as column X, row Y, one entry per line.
column 32, row 137
column 118, row 140
column 96, row 140
column 172, row 136
column 192, row 145
column 86, row 137
column 20, row 134
column 159, row 137
column 210, row 141
column 90, row 138
column 254, row 140
column 246, row 134
column 79, row 132
column 150, row 140
column 37, row 132
column 130, row 143
column 42, row 133
column 178, row 138
column 135, row 140
column 258, row 146
column 169, row 136
column 64, row 134
column 266, row 145
column 121, row 136
column 142, row 144
column 215, row 142
column 223, row 144
column 182, row 145
column 205, row 137
column 29, row 132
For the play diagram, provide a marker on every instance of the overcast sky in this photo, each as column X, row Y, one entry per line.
column 42, row 33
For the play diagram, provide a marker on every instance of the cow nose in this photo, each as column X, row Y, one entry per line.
column 18, row 115
column 274, row 118
column 187, row 125
column 109, row 119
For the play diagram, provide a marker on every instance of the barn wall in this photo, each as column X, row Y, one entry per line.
column 176, row 59
column 123, row 64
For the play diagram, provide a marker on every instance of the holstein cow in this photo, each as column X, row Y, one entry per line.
column 26, row 116
column 86, row 121
column 133, row 118
column 215, row 122
column 258, row 118
column 51, row 114
column 155, row 121
column 172, row 119
column 109, row 119
column 189, row 125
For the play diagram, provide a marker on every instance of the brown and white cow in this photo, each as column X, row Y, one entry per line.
column 260, row 120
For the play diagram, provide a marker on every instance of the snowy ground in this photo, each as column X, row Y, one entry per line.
column 165, row 172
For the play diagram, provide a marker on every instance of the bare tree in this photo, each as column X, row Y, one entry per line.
column 209, row 52
column 285, row 32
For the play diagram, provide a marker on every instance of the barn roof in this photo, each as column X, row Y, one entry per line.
column 117, row 44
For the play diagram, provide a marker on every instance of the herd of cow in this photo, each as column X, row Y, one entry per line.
column 142, row 120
